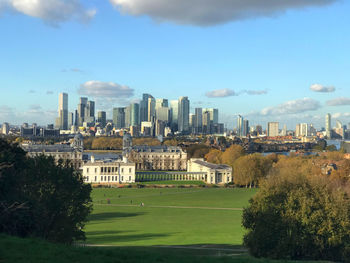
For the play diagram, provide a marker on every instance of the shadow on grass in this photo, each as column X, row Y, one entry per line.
column 111, row 215
column 115, row 237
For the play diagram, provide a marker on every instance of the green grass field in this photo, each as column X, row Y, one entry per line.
column 169, row 217
column 18, row 250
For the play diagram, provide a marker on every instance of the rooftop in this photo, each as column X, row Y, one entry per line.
column 212, row 165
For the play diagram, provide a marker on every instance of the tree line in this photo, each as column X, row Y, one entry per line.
column 39, row 198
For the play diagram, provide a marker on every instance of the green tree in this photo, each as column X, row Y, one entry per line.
column 297, row 216
column 39, row 198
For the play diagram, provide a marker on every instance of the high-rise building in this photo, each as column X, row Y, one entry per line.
column 199, row 120
column 5, row 129
column 161, row 103
column 272, row 129
column 192, row 122
column 245, row 127
column 127, row 116
column 90, row 112
column 214, row 114
column 102, row 118
column 163, row 114
column 151, row 107
column 304, row 129
column 328, row 126
column 144, row 107
column 119, row 117
column 63, row 111
column 81, row 110
column 134, row 114
column 174, row 114
column 206, row 122
column 239, row 126
column 70, row 119
column 183, row 114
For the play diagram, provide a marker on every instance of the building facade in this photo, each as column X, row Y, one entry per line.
column 214, row 173
column 108, row 172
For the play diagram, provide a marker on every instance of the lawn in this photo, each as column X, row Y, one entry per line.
column 169, row 217
column 18, row 250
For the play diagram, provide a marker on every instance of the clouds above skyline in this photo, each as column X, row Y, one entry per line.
column 292, row 107
column 338, row 101
column 223, row 93
column 209, row 12
column 108, row 90
column 321, row 88
column 52, row 12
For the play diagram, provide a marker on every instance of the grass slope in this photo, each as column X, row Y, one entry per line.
column 18, row 250
column 175, row 216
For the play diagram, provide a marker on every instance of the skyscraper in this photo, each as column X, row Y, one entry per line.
column 183, row 114
column 102, row 118
column 214, row 114
column 239, row 126
column 151, row 108
column 134, row 114
column 160, row 103
column 199, row 120
column 174, row 112
column 81, row 110
column 245, row 127
column 63, row 111
column 144, row 107
column 272, row 129
column 119, row 117
column 328, row 126
column 206, row 122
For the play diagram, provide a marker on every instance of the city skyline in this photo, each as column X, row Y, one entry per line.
column 288, row 64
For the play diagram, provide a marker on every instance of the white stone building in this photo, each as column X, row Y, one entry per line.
column 215, row 173
column 108, row 172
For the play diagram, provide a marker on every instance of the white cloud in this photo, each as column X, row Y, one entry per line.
column 292, row 107
column 210, row 12
column 102, row 89
column 53, row 12
column 338, row 101
column 221, row 93
column 321, row 88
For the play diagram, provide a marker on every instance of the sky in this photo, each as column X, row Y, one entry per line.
column 271, row 60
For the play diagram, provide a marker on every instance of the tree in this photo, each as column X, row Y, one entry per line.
column 297, row 216
column 39, row 198
column 232, row 154
column 214, row 156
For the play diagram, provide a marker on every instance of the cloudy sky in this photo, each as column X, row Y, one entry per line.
column 270, row 60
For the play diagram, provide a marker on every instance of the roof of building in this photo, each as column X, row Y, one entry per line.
column 160, row 148
column 48, row 148
column 212, row 165
column 107, row 161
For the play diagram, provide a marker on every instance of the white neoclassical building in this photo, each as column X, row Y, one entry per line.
column 214, row 173
column 108, row 172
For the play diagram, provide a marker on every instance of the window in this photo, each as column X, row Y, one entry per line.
column 95, row 178
column 95, row 170
column 101, row 170
column 122, row 178
column 87, row 170
column 112, row 169
column 129, row 178
column 105, row 178
column 109, row 169
column 101, row 178
column 87, row 178
column 122, row 171
column 109, row 178
column 112, row 178
column 129, row 170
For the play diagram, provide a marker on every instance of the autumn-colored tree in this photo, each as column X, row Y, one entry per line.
column 298, row 216
column 213, row 156
column 250, row 169
column 232, row 154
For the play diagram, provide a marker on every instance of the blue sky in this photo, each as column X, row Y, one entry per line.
column 248, row 59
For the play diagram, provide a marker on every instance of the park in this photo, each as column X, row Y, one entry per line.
column 169, row 217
